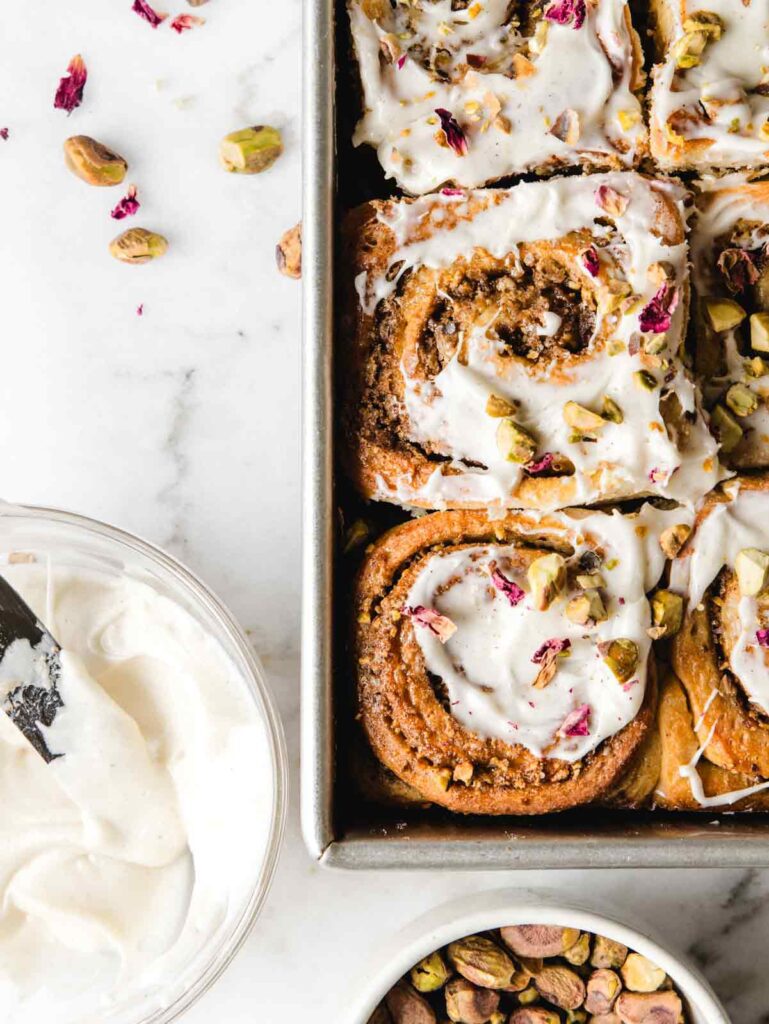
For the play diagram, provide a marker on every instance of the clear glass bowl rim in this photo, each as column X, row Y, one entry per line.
column 253, row 673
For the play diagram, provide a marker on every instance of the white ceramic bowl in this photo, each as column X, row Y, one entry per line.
column 479, row 912
column 76, row 541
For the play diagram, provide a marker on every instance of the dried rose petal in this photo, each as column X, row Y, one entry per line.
column 440, row 625
column 453, row 131
column 184, row 22
column 591, row 261
column 4, row 133
column 738, row 268
column 610, row 200
column 509, row 588
column 655, row 318
column 476, row 60
column 656, row 475
column 540, row 465
column 564, row 12
column 762, row 637
column 400, row 63
column 555, row 645
column 140, row 310
column 69, row 93
column 128, row 205
column 577, row 722
column 143, row 9
column 452, row 192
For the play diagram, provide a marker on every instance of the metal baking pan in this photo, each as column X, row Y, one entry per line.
column 339, row 830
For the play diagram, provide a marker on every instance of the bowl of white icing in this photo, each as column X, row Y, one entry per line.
column 133, row 866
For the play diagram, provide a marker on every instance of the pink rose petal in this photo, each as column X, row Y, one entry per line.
column 140, row 310
column 577, row 722
column 4, row 133
column 509, row 588
column 555, row 645
column 128, row 205
column 738, row 268
column 401, row 62
column 184, row 22
column 440, row 625
column 567, row 12
column 610, row 200
column 69, row 93
column 762, row 637
column 143, row 9
column 452, row 192
column 540, row 465
column 454, row 135
column 591, row 261
column 655, row 318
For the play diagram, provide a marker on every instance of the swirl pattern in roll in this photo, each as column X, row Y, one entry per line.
column 469, row 92
column 504, row 665
column 520, row 348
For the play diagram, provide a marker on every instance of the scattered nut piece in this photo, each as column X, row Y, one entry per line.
column 726, row 428
column 667, row 612
column 93, row 162
column 547, row 578
column 466, row 1004
column 250, row 150
column 482, row 962
column 538, row 940
column 621, row 656
column 587, row 609
column 137, row 245
column 288, row 252
column 724, row 314
column 741, row 400
column 498, row 407
column 641, row 975
column 752, row 569
column 674, row 538
column 430, row 974
column 514, row 443
column 611, row 411
column 582, row 419
column 759, row 332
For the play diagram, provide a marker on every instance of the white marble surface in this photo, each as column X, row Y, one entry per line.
column 182, row 425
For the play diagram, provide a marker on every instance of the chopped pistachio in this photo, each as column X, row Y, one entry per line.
column 582, row 419
column 756, row 367
column 547, row 578
column 724, row 314
column 645, row 380
column 514, row 443
column 705, row 21
column 358, row 534
column 752, row 569
column 590, row 581
column 726, row 428
column 667, row 612
column 611, row 411
column 741, row 400
column 586, row 609
column 689, row 49
column 499, row 407
column 759, row 332
column 674, row 538
column 621, row 656
column 250, row 150
column 641, row 975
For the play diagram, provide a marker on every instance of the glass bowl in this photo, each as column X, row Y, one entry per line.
column 71, row 540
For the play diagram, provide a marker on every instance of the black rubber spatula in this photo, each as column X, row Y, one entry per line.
column 29, row 670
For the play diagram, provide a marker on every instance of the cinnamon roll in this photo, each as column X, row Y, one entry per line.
column 710, row 92
column 721, row 654
column 520, row 348
column 504, row 666
column 461, row 92
column 731, row 316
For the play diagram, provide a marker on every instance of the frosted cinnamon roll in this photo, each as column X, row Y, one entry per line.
column 710, row 93
column 730, row 273
column 504, row 665
column 520, row 348
column 467, row 92
column 721, row 654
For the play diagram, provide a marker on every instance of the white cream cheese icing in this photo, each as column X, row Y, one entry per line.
column 506, row 110
column 728, row 529
column 632, row 457
column 727, row 203
column 486, row 665
column 124, row 863
column 722, row 84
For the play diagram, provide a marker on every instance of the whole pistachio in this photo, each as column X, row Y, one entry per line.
column 250, row 150
column 430, row 974
column 407, row 1007
column 534, row 1015
column 538, row 940
column 608, row 952
column 641, row 975
column 560, row 986
column 137, row 245
column 579, row 953
column 93, row 162
column 468, row 1004
column 481, row 961
column 649, row 1007
column 603, row 987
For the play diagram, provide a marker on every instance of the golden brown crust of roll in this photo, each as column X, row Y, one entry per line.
column 407, row 726
column 377, row 453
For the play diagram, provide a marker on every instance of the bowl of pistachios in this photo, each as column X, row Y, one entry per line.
column 525, row 958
